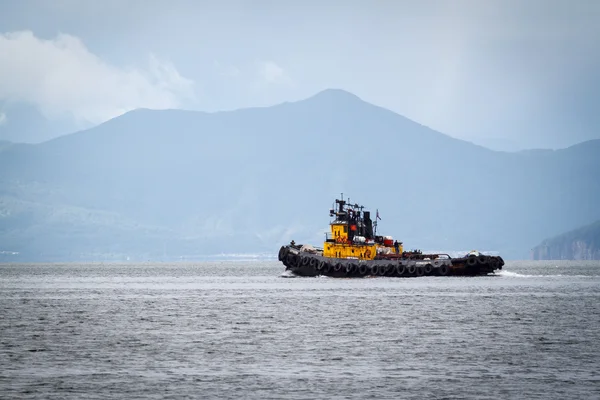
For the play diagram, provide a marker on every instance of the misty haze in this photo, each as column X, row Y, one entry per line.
column 164, row 165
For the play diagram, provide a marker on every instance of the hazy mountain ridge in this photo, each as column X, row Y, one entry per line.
column 579, row 244
column 26, row 123
column 250, row 179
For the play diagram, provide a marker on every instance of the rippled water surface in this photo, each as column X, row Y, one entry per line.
column 240, row 330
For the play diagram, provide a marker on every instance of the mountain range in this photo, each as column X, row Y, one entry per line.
column 173, row 183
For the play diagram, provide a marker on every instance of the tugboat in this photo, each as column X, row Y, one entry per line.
column 352, row 248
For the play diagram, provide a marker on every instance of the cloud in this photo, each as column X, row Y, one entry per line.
column 273, row 73
column 2, row 119
column 62, row 77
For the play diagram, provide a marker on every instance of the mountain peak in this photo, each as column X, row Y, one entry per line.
column 334, row 94
column 332, row 98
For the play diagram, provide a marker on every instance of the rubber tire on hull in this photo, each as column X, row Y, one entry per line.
column 471, row 261
column 282, row 253
column 420, row 271
column 428, row 268
column 362, row 270
column 443, row 270
column 400, row 269
column 493, row 263
column 291, row 259
column 351, row 269
column 390, row 270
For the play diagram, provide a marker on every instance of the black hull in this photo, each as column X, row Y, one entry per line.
column 303, row 263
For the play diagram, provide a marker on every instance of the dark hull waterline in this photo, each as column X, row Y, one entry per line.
column 304, row 263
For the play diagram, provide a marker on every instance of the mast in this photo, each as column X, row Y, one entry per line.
column 375, row 223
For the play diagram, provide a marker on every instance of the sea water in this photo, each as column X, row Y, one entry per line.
column 240, row 330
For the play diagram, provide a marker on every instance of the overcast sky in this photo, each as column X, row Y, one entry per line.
column 510, row 74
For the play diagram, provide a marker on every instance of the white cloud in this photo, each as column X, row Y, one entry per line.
column 273, row 73
column 61, row 76
column 2, row 119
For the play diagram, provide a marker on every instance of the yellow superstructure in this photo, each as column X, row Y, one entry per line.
column 361, row 252
column 346, row 238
